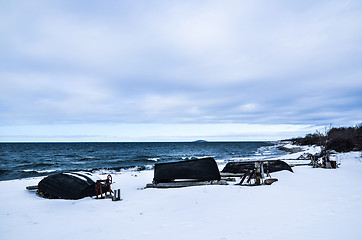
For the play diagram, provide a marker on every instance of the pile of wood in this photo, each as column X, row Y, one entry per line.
column 324, row 160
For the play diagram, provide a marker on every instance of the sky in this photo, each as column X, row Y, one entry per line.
column 231, row 70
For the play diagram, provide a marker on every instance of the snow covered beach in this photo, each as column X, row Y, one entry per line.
column 311, row 203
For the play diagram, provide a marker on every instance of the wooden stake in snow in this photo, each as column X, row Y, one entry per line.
column 117, row 195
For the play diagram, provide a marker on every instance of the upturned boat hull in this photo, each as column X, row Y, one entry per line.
column 204, row 169
column 67, row 186
column 244, row 167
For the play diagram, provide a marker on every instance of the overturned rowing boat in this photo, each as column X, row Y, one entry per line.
column 203, row 171
column 268, row 165
column 255, row 170
column 69, row 186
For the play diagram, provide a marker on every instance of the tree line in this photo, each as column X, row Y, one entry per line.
column 340, row 139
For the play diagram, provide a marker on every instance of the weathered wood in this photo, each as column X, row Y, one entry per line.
column 270, row 181
column 242, row 180
column 225, row 174
column 202, row 169
column 180, row 184
column 67, row 186
column 32, row 187
column 245, row 166
column 229, row 179
column 251, row 175
column 258, row 175
column 333, row 164
column 116, row 195
column 299, row 164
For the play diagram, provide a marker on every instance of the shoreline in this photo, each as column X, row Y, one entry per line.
column 311, row 203
column 43, row 159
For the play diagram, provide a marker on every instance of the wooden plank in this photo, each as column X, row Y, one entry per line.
column 185, row 184
column 32, row 187
column 242, row 180
column 231, row 174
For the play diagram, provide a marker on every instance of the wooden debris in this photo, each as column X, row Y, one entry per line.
column 270, row 181
column 116, row 195
column 99, row 187
column 178, row 184
column 227, row 174
column 32, row 187
column 228, row 179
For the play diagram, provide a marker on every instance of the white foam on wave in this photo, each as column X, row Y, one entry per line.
column 153, row 159
column 94, row 177
column 39, row 171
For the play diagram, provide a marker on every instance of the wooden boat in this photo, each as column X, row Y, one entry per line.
column 68, row 186
column 203, row 169
column 247, row 166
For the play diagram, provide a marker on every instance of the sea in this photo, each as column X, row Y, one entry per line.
column 25, row 160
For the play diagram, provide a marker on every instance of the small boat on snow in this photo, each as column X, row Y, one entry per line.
column 247, row 166
column 203, row 169
column 74, row 185
column 196, row 172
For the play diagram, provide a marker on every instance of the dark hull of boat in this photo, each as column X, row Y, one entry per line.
column 244, row 167
column 67, row 186
column 204, row 169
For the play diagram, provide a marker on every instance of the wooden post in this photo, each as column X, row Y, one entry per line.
column 242, row 180
column 250, row 176
column 262, row 170
column 117, row 195
column 257, row 173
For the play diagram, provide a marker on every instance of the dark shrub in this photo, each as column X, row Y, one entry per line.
column 341, row 139
column 340, row 145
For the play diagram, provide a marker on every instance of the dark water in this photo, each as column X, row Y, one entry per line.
column 22, row 160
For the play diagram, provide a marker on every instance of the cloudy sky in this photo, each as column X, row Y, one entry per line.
column 178, row 70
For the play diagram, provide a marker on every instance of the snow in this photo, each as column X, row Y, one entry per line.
column 305, row 150
column 311, row 203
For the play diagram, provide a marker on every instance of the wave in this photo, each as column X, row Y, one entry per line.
column 42, row 159
column 34, row 165
column 40, row 171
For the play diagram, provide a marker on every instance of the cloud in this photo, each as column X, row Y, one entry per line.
column 181, row 62
column 151, row 132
